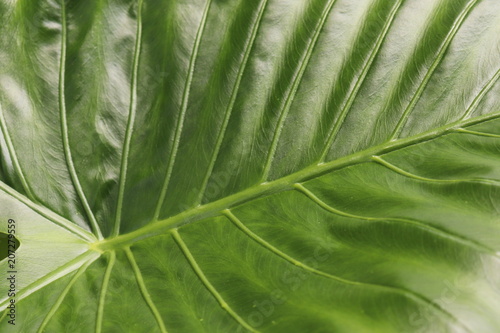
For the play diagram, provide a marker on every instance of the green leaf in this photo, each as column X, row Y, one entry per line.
column 263, row 166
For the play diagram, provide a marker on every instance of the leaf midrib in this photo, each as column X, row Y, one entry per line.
column 156, row 228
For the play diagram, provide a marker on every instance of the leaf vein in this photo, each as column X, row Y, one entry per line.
column 437, row 60
column 405, row 292
column 130, row 121
column 354, row 93
column 144, row 290
column 104, row 289
column 62, row 296
column 282, row 184
column 13, row 155
column 489, row 135
column 48, row 214
column 64, row 127
column 487, row 87
column 408, row 174
column 192, row 261
column 431, row 229
column 88, row 256
column 184, row 103
column 293, row 89
column 230, row 106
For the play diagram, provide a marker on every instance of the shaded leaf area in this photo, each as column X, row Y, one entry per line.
column 262, row 166
column 7, row 243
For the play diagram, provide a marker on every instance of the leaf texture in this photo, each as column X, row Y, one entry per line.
column 251, row 166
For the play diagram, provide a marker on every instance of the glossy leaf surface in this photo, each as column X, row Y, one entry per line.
column 263, row 166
